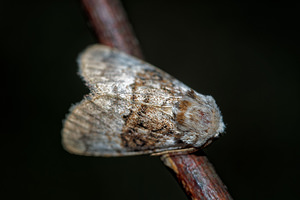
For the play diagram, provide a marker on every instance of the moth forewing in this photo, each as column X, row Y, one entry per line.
column 135, row 108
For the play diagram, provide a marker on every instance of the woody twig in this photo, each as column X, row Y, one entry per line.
column 194, row 171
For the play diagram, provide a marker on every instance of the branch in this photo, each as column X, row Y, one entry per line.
column 194, row 171
column 111, row 26
column 197, row 176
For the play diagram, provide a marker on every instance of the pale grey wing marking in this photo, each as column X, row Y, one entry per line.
column 110, row 71
column 92, row 128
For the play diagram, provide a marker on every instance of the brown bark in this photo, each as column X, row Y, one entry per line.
column 194, row 171
column 111, row 26
column 197, row 176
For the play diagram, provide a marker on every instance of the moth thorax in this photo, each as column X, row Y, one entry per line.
column 198, row 118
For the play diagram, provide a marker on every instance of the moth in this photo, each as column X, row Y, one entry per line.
column 135, row 108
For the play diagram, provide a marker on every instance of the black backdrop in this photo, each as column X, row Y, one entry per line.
column 246, row 55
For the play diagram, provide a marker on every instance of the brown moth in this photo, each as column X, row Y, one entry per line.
column 135, row 108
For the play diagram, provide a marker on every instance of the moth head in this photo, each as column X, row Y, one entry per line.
column 199, row 118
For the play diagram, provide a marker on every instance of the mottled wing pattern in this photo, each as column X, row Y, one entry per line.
column 135, row 108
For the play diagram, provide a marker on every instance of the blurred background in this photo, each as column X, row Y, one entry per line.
column 246, row 55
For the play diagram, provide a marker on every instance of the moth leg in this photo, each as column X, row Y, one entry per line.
column 176, row 152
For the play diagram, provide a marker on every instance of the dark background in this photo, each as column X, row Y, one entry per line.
column 246, row 55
